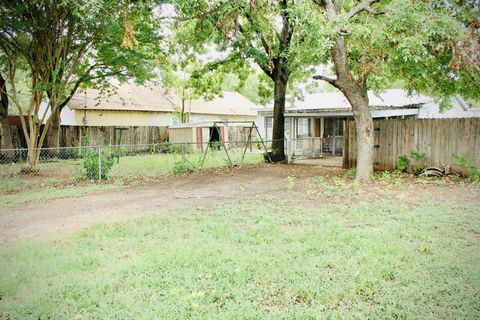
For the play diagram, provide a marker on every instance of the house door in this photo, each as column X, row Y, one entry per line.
column 333, row 135
column 318, row 125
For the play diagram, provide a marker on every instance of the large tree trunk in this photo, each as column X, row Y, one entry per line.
column 53, row 133
column 278, row 132
column 358, row 98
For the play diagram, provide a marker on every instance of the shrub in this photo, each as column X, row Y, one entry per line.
column 402, row 163
column 351, row 173
column 183, row 165
column 467, row 163
column 91, row 163
column 171, row 148
column 419, row 161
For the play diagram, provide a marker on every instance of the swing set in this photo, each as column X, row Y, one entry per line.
column 222, row 141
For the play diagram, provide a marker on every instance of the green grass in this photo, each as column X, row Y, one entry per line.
column 155, row 165
column 260, row 259
column 56, row 179
column 11, row 200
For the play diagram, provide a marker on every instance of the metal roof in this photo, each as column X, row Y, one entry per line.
column 335, row 102
column 128, row 97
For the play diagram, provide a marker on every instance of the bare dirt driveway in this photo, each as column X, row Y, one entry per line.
column 62, row 216
column 312, row 185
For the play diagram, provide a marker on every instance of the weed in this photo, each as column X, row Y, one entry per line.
column 183, row 165
column 468, row 163
column 290, row 182
column 351, row 173
column 385, row 176
column 402, row 163
column 53, row 182
column 419, row 161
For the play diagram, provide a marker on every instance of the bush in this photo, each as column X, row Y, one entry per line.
column 419, row 161
column 467, row 163
column 91, row 163
column 351, row 173
column 182, row 166
column 167, row 147
column 402, row 163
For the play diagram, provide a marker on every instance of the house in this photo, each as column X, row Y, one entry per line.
column 135, row 105
column 316, row 122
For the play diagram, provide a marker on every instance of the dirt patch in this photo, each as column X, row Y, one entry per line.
column 208, row 188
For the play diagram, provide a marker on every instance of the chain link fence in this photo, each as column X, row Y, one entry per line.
column 22, row 169
column 57, row 167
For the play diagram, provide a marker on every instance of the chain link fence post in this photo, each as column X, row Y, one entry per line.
column 99, row 163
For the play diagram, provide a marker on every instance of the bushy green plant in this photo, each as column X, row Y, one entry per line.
column 402, row 163
column 419, row 161
column 215, row 145
column 468, row 163
column 351, row 173
column 166, row 147
column 385, row 176
column 183, row 165
column 97, row 166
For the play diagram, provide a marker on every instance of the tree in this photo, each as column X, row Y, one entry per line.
column 260, row 31
column 177, row 70
column 101, row 58
column 66, row 44
column 370, row 48
column 5, row 129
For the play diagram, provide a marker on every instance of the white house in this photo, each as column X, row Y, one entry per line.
column 321, row 115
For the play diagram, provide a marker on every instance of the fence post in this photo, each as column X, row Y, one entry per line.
column 289, row 150
column 313, row 147
column 99, row 163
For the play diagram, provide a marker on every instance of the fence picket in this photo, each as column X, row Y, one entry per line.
column 439, row 139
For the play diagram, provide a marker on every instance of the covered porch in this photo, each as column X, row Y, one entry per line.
column 316, row 136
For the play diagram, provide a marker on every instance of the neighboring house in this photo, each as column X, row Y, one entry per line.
column 135, row 105
column 321, row 115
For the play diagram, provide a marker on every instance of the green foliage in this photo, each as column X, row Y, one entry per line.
column 183, row 165
column 418, row 160
column 97, row 164
column 418, row 156
column 469, row 164
column 386, row 176
column 351, row 173
column 402, row 163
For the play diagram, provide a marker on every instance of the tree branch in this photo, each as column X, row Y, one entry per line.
column 365, row 5
column 333, row 82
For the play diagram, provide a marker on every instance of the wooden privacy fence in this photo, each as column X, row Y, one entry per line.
column 439, row 139
column 71, row 136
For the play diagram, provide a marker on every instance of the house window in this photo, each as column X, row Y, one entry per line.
column 304, row 128
column 338, row 127
column 268, row 128
column 333, row 127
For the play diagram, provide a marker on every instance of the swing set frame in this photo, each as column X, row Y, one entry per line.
column 222, row 141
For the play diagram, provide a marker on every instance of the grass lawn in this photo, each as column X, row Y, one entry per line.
column 58, row 179
column 259, row 259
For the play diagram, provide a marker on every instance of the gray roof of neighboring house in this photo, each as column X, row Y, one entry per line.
column 129, row 97
column 335, row 102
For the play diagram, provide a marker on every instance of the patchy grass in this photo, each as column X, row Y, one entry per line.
column 58, row 179
column 156, row 165
column 260, row 259
column 11, row 200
